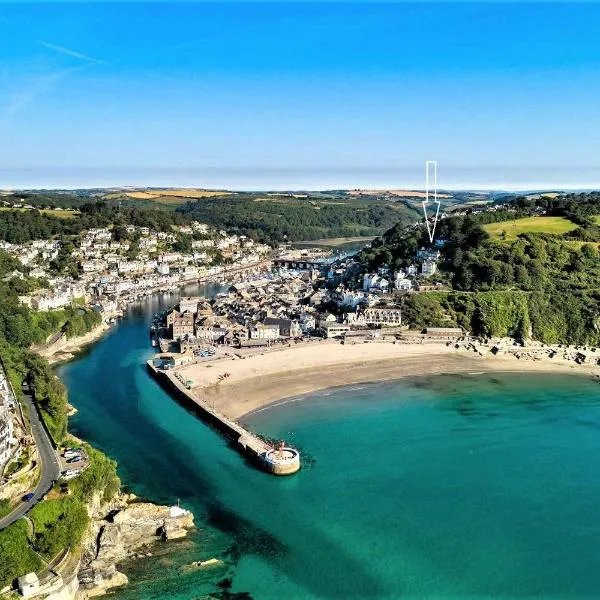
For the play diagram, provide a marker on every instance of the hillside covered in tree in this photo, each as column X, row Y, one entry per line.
column 277, row 218
column 539, row 284
column 19, row 226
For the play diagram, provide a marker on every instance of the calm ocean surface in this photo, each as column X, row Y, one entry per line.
column 480, row 486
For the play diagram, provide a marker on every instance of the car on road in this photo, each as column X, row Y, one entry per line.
column 28, row 497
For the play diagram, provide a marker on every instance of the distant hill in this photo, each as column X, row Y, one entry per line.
column 293, row 217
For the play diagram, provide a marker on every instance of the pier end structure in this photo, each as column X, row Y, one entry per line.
column 282, row 460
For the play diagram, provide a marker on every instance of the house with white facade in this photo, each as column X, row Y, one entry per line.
column 428, row 268
column 402, row 283
column 382, row 316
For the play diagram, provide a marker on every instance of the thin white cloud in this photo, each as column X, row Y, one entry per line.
column 72, row 53
column 37, row 87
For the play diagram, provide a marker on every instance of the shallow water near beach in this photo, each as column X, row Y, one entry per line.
column 449, row 486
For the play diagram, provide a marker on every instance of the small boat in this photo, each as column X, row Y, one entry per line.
column 154, row 343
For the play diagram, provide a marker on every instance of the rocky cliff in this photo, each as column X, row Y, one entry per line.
column 126, row 528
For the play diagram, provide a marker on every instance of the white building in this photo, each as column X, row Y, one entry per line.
column 334, row 330
column 264, row 332
column 348, row 298
column 307, row 322
column 52, row 299
column 428, row 268
column 370, row 280
column 382, row 316
column 7, row 439
column 428, row 254
column 402, row 283
column 94, row 266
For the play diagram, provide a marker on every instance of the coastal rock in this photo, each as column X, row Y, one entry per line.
column 119, row 534
column 99, row 584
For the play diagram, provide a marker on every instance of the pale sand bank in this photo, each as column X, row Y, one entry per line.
column 260, row 380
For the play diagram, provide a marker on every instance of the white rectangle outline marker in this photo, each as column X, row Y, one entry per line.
column 431, row 230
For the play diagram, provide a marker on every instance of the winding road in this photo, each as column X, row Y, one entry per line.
column 47, row 456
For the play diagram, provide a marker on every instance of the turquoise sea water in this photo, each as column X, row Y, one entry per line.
column 476, row 486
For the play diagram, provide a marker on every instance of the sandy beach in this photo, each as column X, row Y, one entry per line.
column 260, row 380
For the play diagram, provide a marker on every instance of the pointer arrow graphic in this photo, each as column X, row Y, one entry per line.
column 431, row 228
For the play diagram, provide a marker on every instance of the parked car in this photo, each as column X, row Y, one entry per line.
column 71, row 453
column 75, row 459
column 28, row 497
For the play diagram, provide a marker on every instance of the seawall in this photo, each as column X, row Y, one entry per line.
column 277, row 461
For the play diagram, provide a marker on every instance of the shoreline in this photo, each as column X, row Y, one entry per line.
column 258, row 382
column 78, row 344
column 357, row 385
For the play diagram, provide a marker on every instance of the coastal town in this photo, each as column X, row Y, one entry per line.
column 110, row 273
column 299, row 300
column 271, row 297
column 282, row 321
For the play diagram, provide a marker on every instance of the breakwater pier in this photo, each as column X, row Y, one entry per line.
column 277, row 460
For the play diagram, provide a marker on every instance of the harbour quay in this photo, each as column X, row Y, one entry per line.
column 275, row 459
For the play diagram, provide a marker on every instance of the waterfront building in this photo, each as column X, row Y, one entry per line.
column 183, row 325
column 189, row 304
column 326, row 318
column 307, row 322
column 382, row 316
column 260, row 331
column 287, row 327
column 334, row 330
column 444, row 332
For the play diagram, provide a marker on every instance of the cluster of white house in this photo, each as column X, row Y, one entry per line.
column 7, row 407
column 281, row 306
column 402, row 279
column 106, row 266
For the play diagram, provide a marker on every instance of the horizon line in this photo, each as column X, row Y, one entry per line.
column 472, row 188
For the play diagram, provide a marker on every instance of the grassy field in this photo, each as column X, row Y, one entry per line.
column 554, row 225
column 399, row 193
column 170, row 198
column 61, row 214
column 181, row 193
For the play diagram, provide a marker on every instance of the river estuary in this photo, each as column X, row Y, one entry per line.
column 473, row 486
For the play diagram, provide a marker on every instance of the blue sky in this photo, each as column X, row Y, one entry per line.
column 509, row 90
